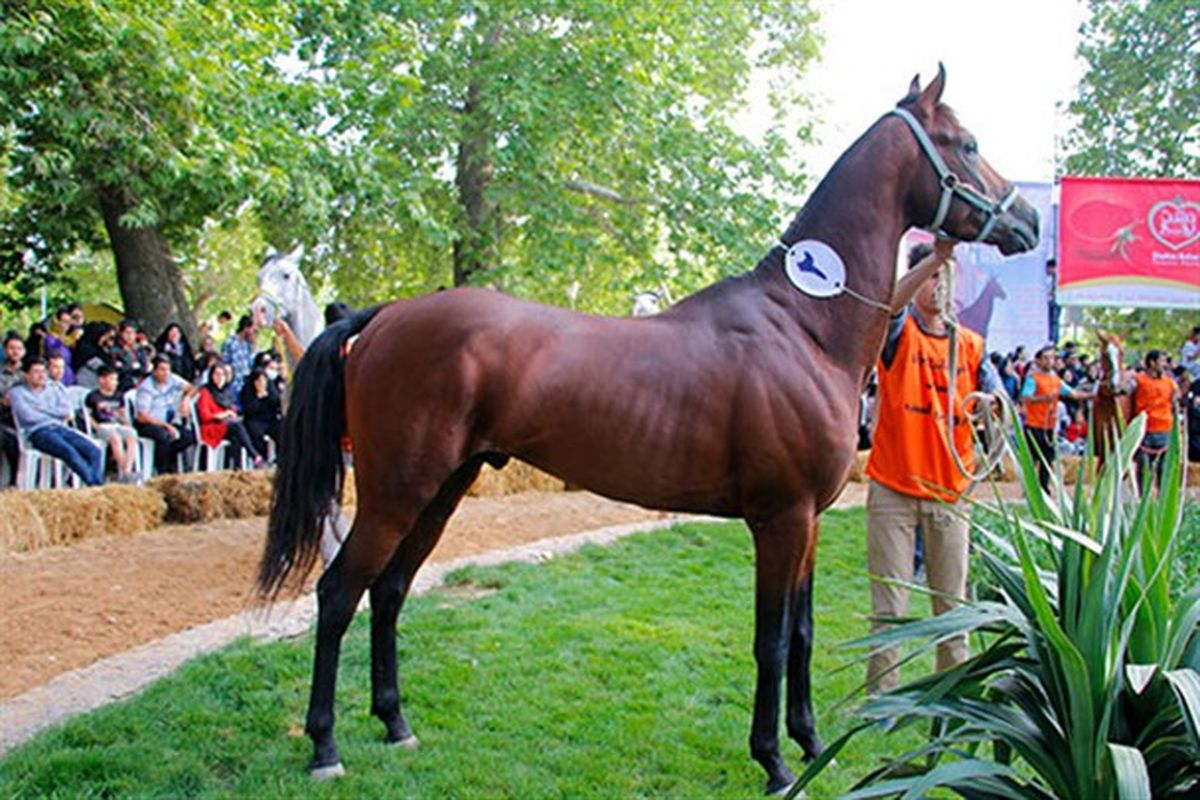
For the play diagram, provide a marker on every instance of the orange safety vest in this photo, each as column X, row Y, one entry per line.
column 909, row 453
column 1043, row 416
column 1153, row 395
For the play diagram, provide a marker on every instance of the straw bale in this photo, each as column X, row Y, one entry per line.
column 45, row 518
column 21, row 527
column 517, row 476
column 858, row 472
column 204, row 496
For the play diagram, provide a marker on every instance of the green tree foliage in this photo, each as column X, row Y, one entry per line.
column 1136, row 110
column 132, row 122
column 551, row 146
column 1135, row 116
column 555, row 149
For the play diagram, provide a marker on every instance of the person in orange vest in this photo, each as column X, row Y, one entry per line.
column 1040, row 395
column 1155, row 394
column 913, row 478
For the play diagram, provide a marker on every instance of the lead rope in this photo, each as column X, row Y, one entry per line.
column 995, row 431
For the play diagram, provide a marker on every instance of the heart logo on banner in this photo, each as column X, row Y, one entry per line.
column 1175, row 223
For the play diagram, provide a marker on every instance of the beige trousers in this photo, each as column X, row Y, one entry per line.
column 892, row 519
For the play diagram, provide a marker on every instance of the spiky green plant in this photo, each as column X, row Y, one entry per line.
column 1087, row 680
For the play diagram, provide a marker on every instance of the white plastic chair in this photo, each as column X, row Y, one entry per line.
column 35, row 469
column 78, row 396
column 145, row 459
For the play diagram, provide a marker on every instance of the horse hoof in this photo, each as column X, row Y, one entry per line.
column 327, row 772
column 783, row 790
column 410, row 742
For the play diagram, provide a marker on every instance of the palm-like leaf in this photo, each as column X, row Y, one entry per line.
column 1086, row 682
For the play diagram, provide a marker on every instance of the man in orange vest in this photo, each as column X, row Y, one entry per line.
column 913, row 478
column 1155, row 394
column 1040, row 395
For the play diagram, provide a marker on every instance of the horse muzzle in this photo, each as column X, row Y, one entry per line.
column 262, row 310
column 1016, row 231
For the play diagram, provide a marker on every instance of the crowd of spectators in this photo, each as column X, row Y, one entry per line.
column 73, row 388
column 1080, row 374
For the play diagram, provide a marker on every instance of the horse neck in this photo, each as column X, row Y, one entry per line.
column 858, row 209
column 307, row 322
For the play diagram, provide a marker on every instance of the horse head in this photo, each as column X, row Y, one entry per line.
column 958, row 191
column 283, row 293
column 646, row 304
column 1112, row 350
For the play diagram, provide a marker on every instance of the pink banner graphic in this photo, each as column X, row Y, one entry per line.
column 1129, row 242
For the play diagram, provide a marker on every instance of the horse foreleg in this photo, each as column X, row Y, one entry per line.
column 387, row 598
column 800, row 723
column 778, row 548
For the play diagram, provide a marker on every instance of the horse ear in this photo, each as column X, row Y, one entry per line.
column 933, row 92
column 914, row 88
column 297, row 252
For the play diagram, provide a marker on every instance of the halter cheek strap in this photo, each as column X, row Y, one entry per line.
column 273, row 302
column 952, row 186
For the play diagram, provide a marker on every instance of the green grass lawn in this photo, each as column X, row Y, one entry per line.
column 622, row 671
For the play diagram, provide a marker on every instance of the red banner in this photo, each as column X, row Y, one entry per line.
column 1129, row 242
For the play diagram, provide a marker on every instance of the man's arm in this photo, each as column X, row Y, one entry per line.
column 908, row 285
column 285, row 332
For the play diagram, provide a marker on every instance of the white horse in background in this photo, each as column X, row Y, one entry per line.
column 646, row 304
column 283, row 294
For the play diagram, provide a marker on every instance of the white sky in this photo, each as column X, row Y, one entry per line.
column 1008, row 63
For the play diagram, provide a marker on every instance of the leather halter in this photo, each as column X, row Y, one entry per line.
column 952, row 186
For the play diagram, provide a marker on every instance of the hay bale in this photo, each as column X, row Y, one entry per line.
column 858, row 472
column 204, row 496
column 21, row 527
column 517, row 476
column 45, row 518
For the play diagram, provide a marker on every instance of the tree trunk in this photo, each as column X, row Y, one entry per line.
column 479, row 246
column 151, row 285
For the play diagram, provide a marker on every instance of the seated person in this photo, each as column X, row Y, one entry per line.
column 11, row 374
column 131, row 361
column 219, row 421
column 262, row 410
column 111, row 423
column 162, row 411
column 56, row 369
column 42, row 410
column 92, row 351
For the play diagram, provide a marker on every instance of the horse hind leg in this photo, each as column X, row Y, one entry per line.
column 374, row 539
column 389, row 592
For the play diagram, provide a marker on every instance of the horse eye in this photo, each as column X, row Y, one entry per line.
column 971, row 148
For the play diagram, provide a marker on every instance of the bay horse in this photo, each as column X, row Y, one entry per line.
column 1112, row 408
column 739, row 401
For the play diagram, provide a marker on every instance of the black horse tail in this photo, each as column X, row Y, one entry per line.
column 310, row 469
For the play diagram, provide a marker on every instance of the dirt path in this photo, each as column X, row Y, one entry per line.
column 65, row 608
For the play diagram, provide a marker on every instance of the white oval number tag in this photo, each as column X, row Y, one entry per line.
column 815, row 269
